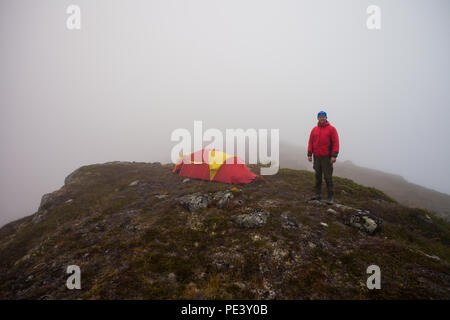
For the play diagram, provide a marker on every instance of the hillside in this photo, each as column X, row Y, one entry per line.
column 138, row 231
column 405, row 192
column 395, row 186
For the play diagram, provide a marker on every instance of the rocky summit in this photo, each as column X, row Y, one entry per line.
column 138, row 231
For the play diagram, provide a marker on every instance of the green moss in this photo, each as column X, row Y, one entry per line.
column 162, row 263
column 124, row 263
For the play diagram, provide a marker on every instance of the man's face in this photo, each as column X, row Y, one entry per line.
column 322, row 119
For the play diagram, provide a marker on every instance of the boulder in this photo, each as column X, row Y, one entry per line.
column 253, row 219
column 365, row 223
column 317, row 202
column 47, row 201
column 333, row 212
column 224, row 200
column 195, row 201
column 344, row 208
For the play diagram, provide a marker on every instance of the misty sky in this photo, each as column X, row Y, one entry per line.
column 137, row 70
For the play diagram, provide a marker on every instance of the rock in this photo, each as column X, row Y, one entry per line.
column 100, row 227
column 256, row 237
column 347, row 209
column 288, row 222
column 430, row 256
column 333, row 212
column 71, row 177
column 195, row 201
column 317, row 202
column 68, row 201
column 279, row 254
column 240, row 285
column 130, row 227
column 254, row 219
column 223, row 202
column 324, row 224
column 268, row 203
column 39, row 215
column 434, row 258
column 344, row 207
column 365, row 223
column 218, row 195
column 172, row 277
column 161, row 196
column 46, row 201
column 133, row 183
column 311, row 245
column 186, row 180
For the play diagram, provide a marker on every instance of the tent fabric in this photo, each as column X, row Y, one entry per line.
column 214, row 165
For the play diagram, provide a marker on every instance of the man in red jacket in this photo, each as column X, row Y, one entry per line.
column 324, row 145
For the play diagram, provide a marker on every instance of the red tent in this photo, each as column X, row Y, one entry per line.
column 214, row 165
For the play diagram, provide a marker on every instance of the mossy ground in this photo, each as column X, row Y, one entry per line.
column 130, row 244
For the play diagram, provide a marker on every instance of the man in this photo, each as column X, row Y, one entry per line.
column 324, row 145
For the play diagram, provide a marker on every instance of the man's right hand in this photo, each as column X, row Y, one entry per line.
column 310, row 159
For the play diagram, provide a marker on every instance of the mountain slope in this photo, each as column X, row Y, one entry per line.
column 130, row 229
column 407, row 193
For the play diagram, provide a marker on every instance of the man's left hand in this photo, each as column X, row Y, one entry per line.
column 333, row 160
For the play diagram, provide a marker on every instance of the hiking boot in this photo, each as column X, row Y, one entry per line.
column 316, row 197
column 330, row 200
column 330, row 194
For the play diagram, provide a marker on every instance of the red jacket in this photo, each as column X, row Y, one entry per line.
column 323, row 140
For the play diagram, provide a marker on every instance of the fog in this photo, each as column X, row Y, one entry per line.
column 137, row 70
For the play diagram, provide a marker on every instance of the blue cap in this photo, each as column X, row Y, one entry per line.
column 322, row 113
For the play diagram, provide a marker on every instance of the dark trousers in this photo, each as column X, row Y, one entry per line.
column 323, row 166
